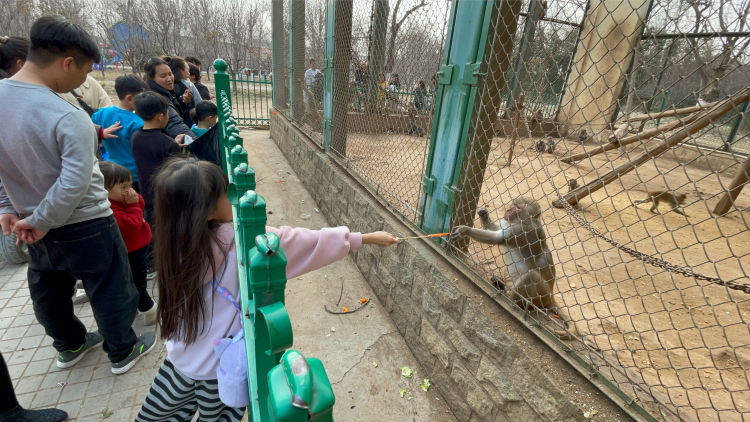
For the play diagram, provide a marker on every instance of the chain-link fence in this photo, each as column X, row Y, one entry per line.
column 623, row 120
column 395, row 53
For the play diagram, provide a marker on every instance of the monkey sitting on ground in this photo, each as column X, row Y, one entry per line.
column 572, row 185
column 545, row 145
column 583, row 137
column 529, row 260
column 658, row 196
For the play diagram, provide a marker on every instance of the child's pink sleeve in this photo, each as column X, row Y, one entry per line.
column 307, row 250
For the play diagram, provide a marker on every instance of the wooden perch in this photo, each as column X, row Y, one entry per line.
column 739, row 182
column 719, row 109
column 641, row 136
column 670, row 113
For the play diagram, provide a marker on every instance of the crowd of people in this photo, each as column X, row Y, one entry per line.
column 101, row 192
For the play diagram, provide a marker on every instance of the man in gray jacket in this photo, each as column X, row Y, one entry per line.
column 52, row 197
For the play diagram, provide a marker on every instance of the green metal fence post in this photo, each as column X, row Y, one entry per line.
column 735, row 127
column 223, row 97
column 283, row 386
column 328, row 88
column 454, row 109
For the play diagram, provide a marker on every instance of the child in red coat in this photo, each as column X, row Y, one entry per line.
column 127, row 206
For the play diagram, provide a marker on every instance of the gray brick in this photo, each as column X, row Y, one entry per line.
column 468, row 352
column 447, row 294
column 483, row 333
column 436, row 346
column 442, row 382
column 495, row 381
column 479, row 402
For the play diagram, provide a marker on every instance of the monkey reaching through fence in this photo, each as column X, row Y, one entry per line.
column 658, row 196
column 529, row 260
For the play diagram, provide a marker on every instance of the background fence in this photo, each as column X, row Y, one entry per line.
column 654, row 302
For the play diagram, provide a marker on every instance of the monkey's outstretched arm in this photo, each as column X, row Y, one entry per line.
column 497, row 237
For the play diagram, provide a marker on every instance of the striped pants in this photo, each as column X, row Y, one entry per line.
column 175, row 398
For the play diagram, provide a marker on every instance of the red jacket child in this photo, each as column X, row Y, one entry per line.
column 134, row 229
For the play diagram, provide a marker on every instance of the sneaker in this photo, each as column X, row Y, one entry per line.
column 145, row 344
column 150, row 275
column 80, row 297
column 68, row 358
column 149, row 316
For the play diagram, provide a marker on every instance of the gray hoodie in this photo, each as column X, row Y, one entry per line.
column 48, row 169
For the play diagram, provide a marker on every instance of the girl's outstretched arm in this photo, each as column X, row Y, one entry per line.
column 308, row 250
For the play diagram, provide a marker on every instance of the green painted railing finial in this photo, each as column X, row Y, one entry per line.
column 220, row 65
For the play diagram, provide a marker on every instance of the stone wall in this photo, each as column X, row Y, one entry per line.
column 482, row 361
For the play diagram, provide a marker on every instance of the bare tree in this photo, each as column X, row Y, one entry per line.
column 716, row 61
column 396, row 24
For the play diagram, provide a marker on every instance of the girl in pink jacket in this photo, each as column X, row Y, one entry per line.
column 193, row 245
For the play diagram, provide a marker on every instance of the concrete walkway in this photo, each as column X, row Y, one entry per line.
column 362, row 352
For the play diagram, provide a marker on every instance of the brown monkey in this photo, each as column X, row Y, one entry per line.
column 545, row 145
column 658, row 196
column 582, row 136
column 572, row 184
column 529, row 260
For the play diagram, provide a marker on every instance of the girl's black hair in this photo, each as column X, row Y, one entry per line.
column 114, row 174
column 186, row 193
column 12, row 49
column 194, row 71
column 150, row 67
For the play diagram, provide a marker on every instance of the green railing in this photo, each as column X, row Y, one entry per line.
column 283, row 385
column 251, row 99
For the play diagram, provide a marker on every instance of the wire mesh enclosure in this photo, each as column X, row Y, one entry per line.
column 622, row 124
column 395, row 53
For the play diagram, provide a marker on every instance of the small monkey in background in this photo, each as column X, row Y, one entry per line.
column 583, row 136
column 572, row 185
column 658, row 196
column 529, row 260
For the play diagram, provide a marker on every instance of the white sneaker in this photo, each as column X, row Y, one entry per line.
column 80, row 297
column 151, row 275
column 149, row 317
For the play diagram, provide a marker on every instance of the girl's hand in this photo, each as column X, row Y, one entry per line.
column 379, row 238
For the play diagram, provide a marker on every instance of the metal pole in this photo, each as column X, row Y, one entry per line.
column 529, row 29
column 297, row 58
column 342, row 55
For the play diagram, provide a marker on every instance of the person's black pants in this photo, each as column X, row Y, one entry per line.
column 7, row 395
column 93, row 252
column 139, row 267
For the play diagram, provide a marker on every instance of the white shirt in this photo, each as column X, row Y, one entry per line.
column 310, row 75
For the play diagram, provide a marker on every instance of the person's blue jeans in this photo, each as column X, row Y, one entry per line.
column 91, row 251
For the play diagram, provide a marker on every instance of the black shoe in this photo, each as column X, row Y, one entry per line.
column 19, row 414
column 145, row 343
column 68, row 358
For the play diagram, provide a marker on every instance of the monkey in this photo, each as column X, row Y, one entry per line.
column 529, row 260
column 545, row 145
column 582, row 136
column 572, row 185
column 658, row 196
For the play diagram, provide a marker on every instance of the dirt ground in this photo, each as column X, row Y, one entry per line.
column 659, row 335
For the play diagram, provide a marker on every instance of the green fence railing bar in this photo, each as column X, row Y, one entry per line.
column 283, row 384
column 251, row 98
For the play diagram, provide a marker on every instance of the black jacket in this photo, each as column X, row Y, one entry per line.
column 177, row 110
